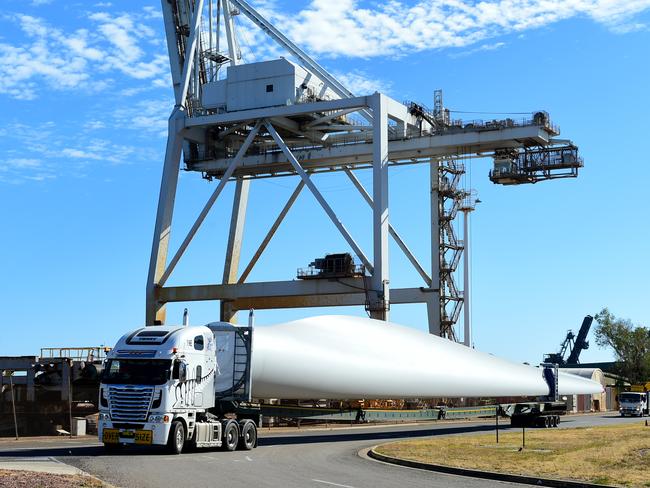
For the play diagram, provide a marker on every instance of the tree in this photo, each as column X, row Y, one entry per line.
column 630, row 343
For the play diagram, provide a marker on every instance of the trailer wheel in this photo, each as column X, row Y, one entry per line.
column 248, row 438
column 176, row 439
column 230, row 436
column 547, row 422
column 554, row 421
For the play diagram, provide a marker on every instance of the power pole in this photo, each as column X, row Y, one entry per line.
column 13, row 399
column 467, row 207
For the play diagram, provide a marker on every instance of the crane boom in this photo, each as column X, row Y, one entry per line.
column 581, row 342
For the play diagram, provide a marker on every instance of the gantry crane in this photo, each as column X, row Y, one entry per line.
column 236, row 122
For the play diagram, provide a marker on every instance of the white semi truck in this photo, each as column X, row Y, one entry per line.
column 178, row 386
column 185, row 385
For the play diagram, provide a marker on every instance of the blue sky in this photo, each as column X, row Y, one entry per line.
column 84, row 97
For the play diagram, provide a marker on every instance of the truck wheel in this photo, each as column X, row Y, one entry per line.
column 230, row 436
column 176, row 439
column 248, row 437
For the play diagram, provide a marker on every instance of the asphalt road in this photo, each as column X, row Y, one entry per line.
column 308, row 458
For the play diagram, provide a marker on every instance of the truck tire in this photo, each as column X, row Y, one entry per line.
column 176, row 439
column 230, row 436
column 248, row 438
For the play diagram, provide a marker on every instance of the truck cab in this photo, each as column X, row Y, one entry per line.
column 158, row 388
column 633, row 403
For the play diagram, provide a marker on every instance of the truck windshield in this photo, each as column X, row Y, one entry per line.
column 630, row 397
column 137, row 371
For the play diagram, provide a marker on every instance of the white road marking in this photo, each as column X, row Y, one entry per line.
column 248, row 458
column 332, row 484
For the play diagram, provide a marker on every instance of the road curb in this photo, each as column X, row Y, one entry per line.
column 474, row 473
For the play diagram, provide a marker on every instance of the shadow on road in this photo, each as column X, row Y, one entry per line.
column 273, row 440
column 369, row 436
column 76, row 451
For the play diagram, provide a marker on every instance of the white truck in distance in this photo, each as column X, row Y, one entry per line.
column 633, row 403
column 178, row 386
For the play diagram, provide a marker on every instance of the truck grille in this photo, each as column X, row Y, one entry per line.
column 130, row 404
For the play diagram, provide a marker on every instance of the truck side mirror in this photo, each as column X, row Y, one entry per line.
column 179, row 370
column 616, row 398
column 176, row 369
column 182, row 374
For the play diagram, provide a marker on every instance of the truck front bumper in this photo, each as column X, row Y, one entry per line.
column 150, row 433
column 630, row 411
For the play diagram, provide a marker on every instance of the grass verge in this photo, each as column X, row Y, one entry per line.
column 613, row 455
column 30, row 479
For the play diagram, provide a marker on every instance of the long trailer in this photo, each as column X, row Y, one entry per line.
column 183, row 385
column 536, row 414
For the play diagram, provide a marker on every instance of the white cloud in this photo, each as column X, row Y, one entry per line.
column 127, row 43
column 79, row 154
column 152, row 12
column 482, row 48
column 148, row 116
column 21, row 66
column 95, row 149
column 78, row 44
column 47, row 151
column 25, row 163
column 80, row 59
column 94, row 125
column 18, row 170
column 395, row 27
column 359, row 83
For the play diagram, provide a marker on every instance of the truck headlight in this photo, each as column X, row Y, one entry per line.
column 104, row 416
column 159, row 419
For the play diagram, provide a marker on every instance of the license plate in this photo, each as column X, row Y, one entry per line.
column 111, row 436
column 143, row 437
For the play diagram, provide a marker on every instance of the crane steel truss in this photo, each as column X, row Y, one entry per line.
column 332, row 130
